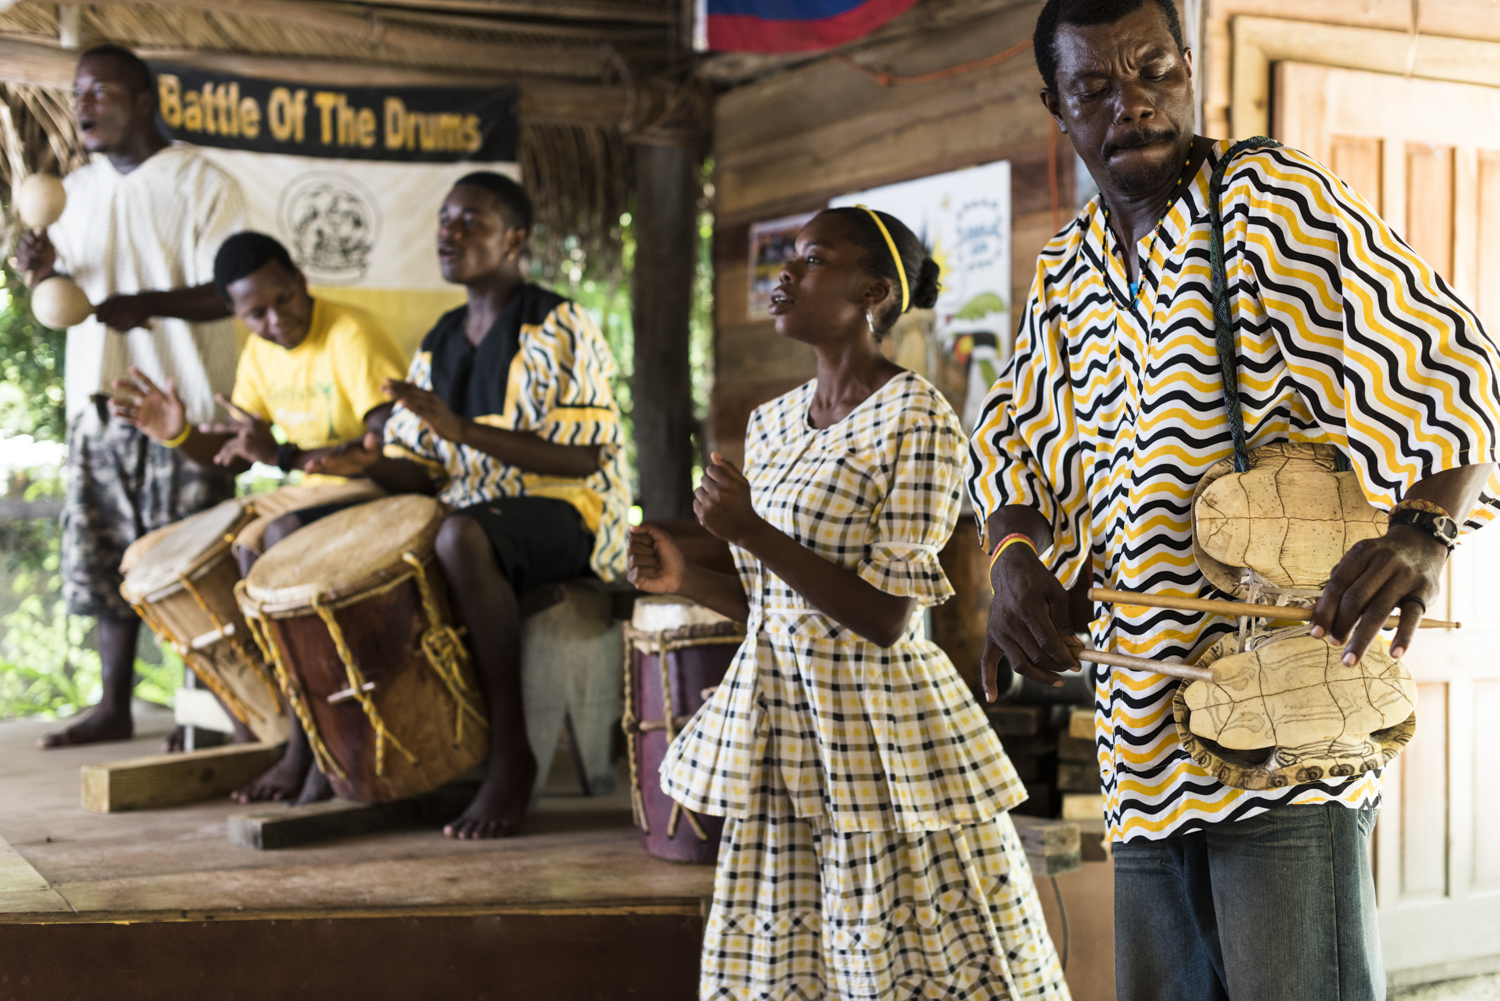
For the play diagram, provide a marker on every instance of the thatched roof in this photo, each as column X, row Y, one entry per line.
column 593, row 76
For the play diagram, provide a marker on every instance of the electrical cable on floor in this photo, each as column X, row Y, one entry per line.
column 1063, row 913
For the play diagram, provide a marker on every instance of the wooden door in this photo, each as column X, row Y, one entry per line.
column 1426, row 155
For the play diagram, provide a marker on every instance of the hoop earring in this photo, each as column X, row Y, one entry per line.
column 870, row 319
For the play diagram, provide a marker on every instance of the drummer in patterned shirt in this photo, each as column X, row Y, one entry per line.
column 1092, row 440
column 508, row 416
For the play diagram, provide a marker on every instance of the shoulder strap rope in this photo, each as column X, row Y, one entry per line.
column 1224, row 331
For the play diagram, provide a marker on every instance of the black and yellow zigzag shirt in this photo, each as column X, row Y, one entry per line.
column 545, row 368
column 1110, row 411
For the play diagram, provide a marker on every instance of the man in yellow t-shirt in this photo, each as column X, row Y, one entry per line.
column 315, row 368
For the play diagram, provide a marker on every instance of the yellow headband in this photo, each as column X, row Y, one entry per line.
column 895, row 256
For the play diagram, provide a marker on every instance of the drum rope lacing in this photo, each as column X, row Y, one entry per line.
column 357, row 690
column 446, row 653
column 663, row 642
column 441, row 646
column 221, row 627
column 295, row 697
column 191, row 657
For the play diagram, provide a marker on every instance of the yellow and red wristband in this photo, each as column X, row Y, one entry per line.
column 1010, row 540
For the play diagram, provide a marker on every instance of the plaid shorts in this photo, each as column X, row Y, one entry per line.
column 121, row 485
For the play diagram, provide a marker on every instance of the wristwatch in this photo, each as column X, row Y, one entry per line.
column 286, row 456
column 1436, row 524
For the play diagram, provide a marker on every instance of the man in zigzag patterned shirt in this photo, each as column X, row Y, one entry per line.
column 1091, row 442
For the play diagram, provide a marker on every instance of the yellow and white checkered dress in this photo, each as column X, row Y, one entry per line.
column 868, row 852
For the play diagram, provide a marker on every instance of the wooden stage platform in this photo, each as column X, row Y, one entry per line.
column 158, row 904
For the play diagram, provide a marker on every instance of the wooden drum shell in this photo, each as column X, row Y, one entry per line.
column 697, row 658
column 230, row 662
column 233, row 662
column 384, row 635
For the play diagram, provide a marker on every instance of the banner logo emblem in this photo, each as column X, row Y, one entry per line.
column 331, row 223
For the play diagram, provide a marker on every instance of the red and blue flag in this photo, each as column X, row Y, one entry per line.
column 790, row 25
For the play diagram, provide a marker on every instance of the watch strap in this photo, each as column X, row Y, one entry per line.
column 286, row 457
column 1437, row 524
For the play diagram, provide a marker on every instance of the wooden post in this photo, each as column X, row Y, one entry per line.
column 666, row 258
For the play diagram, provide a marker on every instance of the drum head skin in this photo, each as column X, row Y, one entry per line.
column 183, row 549
column 656, row 612
column 346, row 554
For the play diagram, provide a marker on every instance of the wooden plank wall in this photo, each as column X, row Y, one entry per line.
column 788, row 143
column 1477, row 19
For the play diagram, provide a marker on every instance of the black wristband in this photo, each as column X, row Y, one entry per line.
column 1439, row 526
column 287, row 456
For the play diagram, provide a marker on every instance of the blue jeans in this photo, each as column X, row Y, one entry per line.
column 1279, row 907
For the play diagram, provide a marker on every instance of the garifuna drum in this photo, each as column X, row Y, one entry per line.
column 352, row 612
column 676, row 652
column 180, row 580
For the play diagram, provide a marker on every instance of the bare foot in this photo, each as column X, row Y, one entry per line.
column 96, row 727
column 315, row 789
column 500, row 805
column 278, row 784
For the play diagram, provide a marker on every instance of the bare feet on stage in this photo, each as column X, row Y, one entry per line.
column 500, row 805
column 96, row 727
column 315, row 788
column 282, row 782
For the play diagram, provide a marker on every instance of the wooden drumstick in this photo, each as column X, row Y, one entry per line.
column 1171, row 670
column 1236, row 608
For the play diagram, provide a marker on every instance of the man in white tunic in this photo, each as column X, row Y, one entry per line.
column 142, row 224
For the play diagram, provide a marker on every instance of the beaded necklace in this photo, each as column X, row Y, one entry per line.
column 1135, row 286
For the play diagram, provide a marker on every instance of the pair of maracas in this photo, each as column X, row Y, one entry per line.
column 57, row 302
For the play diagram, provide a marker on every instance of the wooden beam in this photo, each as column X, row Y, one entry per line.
column 542, row 102
column 1052, row 846
column 666, row 257
column 173, row 779
column 373, row 30
column 578, row 10
column 1082, row 805
column 1081, row 724
column 271, row 828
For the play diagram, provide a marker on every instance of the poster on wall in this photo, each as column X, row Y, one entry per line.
column 963, row 218
column 349, row 178
column 771, row 246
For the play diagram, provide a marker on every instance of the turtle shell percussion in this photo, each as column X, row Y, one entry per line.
column 1291, row 712
column 1288, row 520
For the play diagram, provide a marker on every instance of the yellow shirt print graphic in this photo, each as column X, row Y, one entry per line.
column 320, row 391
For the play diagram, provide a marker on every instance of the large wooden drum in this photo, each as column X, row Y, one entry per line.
column 676, row 652
column 353, row 613
column 180, row 579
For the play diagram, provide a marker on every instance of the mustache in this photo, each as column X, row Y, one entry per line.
column 1144, row 137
